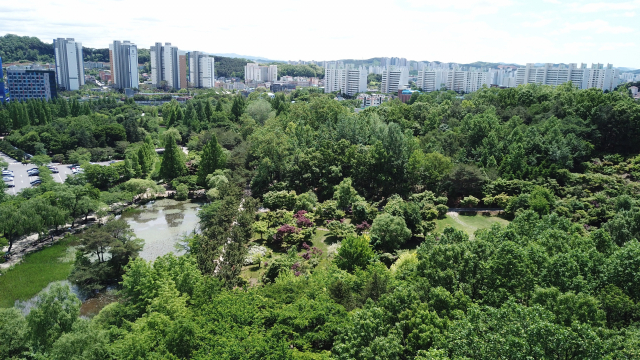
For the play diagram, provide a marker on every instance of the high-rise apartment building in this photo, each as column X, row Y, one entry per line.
column 394, row 78
column 124, row 64
column 201, row 70
column 598, row 76
column 456, row 80
column 347, row 81
column 257, row 73
column 168, row 65
column 26, row 83
column 69, row 63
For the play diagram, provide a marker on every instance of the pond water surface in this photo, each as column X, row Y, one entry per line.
column 161, row 224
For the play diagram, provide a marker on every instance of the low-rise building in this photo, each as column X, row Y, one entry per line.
column 27, row 84
column 371, row 100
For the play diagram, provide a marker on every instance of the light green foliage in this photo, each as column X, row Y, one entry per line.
column 140, row 186
column 85, row 341
column 389, row 233
column 55, row 313
column 13, row 333
column 340, row 229
column 469, row 201
column 182, row 192
column 259, row 110
column 345, row 194
column 354, row 252
column 216, row 180
column 276, row 200
column 306, row 201
column 427, row 170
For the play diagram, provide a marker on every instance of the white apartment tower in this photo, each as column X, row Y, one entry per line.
column 124, row 64
column 393, row 79
column 165, row 66
column 347, row 81
column 69, row 63
column 201, row 70
column 257, row 73
column 599, row 76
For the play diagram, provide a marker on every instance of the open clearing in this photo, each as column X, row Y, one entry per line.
column 468, row 223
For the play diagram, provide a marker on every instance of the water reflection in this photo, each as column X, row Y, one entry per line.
column 161, row 224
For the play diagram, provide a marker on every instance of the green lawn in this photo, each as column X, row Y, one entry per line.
column 468, row 223
column 35, row 272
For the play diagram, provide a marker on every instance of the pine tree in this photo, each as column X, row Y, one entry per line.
column 213, row 158
column 63, row 108
column 75, row 108
column 147, row 155
column 173, row 164
column 237, row 109
column 208, row 111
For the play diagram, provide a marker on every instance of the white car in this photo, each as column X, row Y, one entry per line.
column 7, row 178
column 7, row 173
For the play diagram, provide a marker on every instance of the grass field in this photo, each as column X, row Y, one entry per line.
column 468, row 223
column 35, row 272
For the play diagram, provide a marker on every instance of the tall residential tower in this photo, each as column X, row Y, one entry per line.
column 124, row 64
column 69, row 63
column 201, row 70
column 168, row 64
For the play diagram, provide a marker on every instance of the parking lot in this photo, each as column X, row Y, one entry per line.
column 22, row 179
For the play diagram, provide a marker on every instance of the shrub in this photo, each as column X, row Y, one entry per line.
column 276, row 200
column 354, row 252
column 340, row 229
column 389, row 233
column 182, row 192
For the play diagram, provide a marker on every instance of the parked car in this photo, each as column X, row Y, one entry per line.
column 76, row 170
column 11, row 184
column 7, row 173
column 7, row 178
column 54, row 169
column 35, row 172
column 73, row 166
column 36, row 182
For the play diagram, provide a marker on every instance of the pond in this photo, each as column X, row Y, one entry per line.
column 161, row 224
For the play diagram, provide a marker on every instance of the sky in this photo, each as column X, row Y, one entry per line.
column 462, row 31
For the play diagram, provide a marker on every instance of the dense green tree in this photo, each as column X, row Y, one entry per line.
column 173, row 164
column 389, row 233
column 213, row 158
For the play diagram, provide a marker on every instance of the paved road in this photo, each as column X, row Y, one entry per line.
column 22, row 179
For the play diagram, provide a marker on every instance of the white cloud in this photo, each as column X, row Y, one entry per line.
column 607, row 6
column 537, row 24
column 457, row 31
column 595, row 26
column 615, row 46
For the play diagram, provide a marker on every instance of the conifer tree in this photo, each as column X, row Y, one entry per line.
column 213, row 158
column 173, row 164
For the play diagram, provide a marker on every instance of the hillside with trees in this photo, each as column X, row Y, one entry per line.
column 230, row 67
column 300, row 70
column 328, row 233
column 14, row 48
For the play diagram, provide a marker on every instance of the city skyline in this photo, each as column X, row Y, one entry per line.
column 509, row 31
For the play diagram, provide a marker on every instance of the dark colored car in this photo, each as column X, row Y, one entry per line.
column 36, row 182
